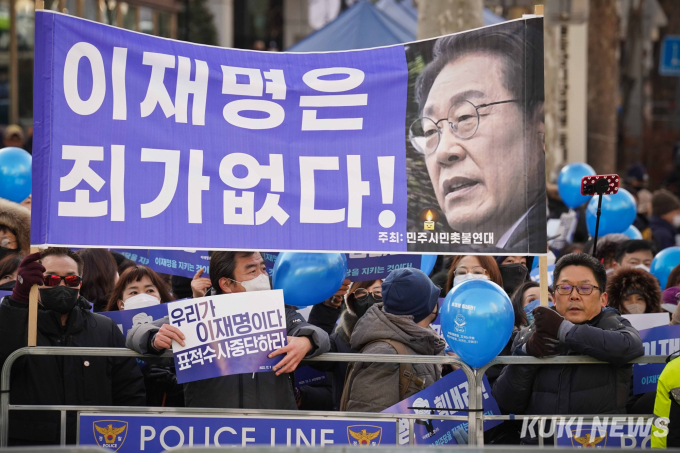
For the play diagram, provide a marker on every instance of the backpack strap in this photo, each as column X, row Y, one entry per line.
column 406, row 375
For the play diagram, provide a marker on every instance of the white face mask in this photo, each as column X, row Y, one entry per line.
column 643, row 267
column 259, row 283
column 458, row 279
column 140, row 301
column 635, row 309
column 676, row 221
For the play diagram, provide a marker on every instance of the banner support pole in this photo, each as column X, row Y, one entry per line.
column 33, row 316
column 543, row 279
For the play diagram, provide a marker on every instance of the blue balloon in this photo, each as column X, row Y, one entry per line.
column 663, row 263
column 618, row 213
column 633, row 232
column 569, row 183
column 477, row 320
column 427, row 263
column 15, row 174
column 309, row 278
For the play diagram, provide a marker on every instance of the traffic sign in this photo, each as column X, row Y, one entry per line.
column 669, row 60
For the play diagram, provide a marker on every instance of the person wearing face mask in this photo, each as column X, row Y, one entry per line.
column 466, row 267
column 634, row 291
column 361, row 297
column 15, row 229
column 9, row 267
column 665, row 219
column 398, row 325
column 63, row 320
column 636, row 253
column 140, row 287
column 237, row 272
column 514, row 271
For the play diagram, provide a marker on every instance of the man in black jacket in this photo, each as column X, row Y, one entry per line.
column 579, row 324
column 234, row 272
column 63, row 320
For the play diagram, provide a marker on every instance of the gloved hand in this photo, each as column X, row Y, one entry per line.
column 461, row 436
column 547, row 321
column 541, row 344
column 162, row 378
column 30, row 273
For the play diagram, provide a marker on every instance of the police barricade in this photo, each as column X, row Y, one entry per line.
column 475, row 415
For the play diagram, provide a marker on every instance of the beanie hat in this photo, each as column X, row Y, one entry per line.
column 18, row 219
column 636, row 172
column 670, row 298
column 409, row 291
column 664, row 202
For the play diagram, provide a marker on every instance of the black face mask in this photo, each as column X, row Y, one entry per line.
column 362, row 306
column 61, row 299
column 513, row 276
column 4, row 251
column 8, row 286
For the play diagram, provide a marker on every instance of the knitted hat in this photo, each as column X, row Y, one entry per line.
column 409, row 291
column 18, row 219
column 664, row 202
column 670, row 298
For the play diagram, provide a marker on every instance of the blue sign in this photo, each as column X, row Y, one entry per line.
column 536, row 274
column 127, row 319
column 145, row 142
column 663, row 340
column 607, row 432
column 307, row 375
column 449, row 393
column 179, row 262
column 156, row 433
column 669, row 58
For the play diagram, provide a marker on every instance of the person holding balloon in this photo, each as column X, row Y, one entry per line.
column 579, row 324
column 236, row 272
column 665, row 219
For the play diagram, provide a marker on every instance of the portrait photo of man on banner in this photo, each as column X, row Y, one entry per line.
column 476, row 133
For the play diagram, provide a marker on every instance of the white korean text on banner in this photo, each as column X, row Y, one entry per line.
column 228, row 334
column 144, row 142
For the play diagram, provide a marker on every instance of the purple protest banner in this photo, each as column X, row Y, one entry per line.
column 449, row 393
column 179, row 262
column 663, row 340
column 146, row 142
column 228, row 334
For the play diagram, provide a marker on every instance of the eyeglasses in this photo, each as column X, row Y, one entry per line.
column 54, row 280
column 463, row 118
column 475, row 270
column 583, row 290
column 361, row 294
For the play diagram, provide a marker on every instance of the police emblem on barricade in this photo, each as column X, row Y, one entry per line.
column 598, row 439
column 364, row 435
column 110, row 434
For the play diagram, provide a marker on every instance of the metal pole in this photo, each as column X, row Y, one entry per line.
column 62, row 427
column 411, row 434
column 597, row 223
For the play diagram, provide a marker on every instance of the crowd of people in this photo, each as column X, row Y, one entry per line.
column 588, row 299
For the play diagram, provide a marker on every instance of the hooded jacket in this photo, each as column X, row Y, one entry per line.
column 574, row 389
column 626, row 281
column 374, row 387
column 60, row 380
column 249, row 391
column 18, row 219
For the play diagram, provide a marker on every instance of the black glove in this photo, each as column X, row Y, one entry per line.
column 542, row 345
column 163, row 378
column 30, row 273
column 547, row 321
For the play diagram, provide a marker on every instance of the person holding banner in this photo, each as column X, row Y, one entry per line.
column 480, row 129
column 64, row 319
column 579, row 324
column 237, row 272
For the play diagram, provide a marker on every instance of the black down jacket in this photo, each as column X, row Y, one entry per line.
column 574, row 389
column 63, row 380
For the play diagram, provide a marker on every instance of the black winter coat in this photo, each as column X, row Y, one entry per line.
column 63, row 380
column 574, row 389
